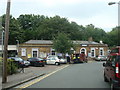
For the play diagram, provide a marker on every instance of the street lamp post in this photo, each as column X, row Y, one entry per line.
column 111, row 3
column 17, row 46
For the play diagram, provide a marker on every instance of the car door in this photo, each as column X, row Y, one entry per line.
column 48, row 61
column 31, row 61
column 107, row 68
column 52, row 60
column 112, row 67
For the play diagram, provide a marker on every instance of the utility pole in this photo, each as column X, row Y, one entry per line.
column 5, row 52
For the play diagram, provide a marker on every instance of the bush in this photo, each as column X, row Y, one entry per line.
column 0, row 66
column 11, row 67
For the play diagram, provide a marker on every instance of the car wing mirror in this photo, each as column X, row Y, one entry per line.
column 113, row 64
column 104, row 64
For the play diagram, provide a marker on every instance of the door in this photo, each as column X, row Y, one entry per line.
column 35, row 52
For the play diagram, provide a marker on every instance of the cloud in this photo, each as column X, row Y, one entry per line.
column 83, row 12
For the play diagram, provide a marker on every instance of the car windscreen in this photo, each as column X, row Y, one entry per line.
column 118, row 58
column 18, row 59
column 40, row 59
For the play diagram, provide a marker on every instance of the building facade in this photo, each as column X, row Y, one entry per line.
column 42, row 48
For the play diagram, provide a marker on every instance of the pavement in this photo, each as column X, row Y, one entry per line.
column 30, row 73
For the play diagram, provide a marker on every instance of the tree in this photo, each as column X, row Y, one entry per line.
column 114, row 37
column 62, row 43
column 37, row 27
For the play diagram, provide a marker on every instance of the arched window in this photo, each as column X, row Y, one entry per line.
column 83, row 50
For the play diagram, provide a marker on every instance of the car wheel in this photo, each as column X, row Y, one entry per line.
column 111, row 86
column 105, row 79
column 43, row 65
column 56, row 63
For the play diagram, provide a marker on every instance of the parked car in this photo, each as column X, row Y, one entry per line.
column 36, row 61
column 101, row 58
column 63, row 60
column 26, row 63
column 53, row 59
column 112, row 69
column 20, row 62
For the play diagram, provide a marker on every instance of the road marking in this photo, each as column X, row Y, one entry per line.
column 39, row 79
column 90, row 61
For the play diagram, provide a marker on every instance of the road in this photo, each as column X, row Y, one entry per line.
column 87, row 75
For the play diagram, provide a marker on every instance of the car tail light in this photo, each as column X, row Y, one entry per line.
column 21, row 62
column 117, row 70
column 40, row 61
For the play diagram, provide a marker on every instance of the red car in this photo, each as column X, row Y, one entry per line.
column 112, row 69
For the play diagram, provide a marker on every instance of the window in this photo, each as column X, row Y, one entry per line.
column 23, row 52
column 101, row 52
column 116, row 50
column 92, row 52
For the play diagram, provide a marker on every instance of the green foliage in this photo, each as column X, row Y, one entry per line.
column 38, row 27
column 114, row 36
column 11, row 67
column 0, row 66
column 62, row 43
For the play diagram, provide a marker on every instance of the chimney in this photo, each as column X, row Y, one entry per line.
column 101, row 42
column 90, row 39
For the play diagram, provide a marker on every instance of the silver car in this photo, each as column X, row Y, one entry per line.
column 53, row 59
column 101, row 58
column 62, row 60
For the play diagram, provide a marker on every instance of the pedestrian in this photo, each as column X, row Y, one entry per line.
column 68, row 59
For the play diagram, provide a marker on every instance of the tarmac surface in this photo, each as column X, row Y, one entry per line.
column 30, row 73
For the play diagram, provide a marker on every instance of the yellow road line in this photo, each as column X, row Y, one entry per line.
column 39, row 79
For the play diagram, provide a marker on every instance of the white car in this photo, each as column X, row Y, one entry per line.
column 62, row 60
column 101, row 58
column 52, row 59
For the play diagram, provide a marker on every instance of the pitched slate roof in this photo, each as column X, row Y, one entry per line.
column 50, row 42
column 85, row 42
column 39, row 42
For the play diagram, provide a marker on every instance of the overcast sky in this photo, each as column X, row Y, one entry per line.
column 83, row 12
